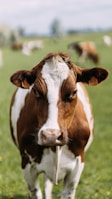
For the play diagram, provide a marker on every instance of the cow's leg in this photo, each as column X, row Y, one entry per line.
column 47, row 188
column 71, row 180
column 30, row 175
column 82, row 57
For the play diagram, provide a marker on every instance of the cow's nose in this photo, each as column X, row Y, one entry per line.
column 51, row 137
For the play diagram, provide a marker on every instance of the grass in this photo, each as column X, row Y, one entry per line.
column 96, row 180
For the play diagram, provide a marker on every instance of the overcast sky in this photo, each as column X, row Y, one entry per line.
column 37, row 15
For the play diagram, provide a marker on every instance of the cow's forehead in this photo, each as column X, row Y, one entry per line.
column 55, row 71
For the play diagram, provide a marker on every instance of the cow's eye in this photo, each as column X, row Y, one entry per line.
column 70, row 96
column 74, row 93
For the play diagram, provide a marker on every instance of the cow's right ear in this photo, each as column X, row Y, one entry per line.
column 23, row 78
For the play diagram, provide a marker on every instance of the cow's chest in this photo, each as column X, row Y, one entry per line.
column 57, row 164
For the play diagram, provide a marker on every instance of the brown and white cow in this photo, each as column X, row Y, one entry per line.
column 85, row 50
column 52, row 123
column 16, row 46
column 30, row 46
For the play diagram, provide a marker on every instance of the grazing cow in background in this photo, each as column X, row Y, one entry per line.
column 51, row 122
column 16, row 46
column 30, row 46
column 107, row 40
column 85, row 50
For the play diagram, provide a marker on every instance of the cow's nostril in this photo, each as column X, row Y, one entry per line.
column 60, row 138
column 51, row 137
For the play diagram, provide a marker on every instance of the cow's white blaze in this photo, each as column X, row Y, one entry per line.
column 54, row 72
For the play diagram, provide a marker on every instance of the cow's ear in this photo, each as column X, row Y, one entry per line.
column 91, row 76
column 23, row 78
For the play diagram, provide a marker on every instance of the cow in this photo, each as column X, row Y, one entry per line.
column 107, row 40
column 16, row 46
column 85, row 50
column 30, row 46
column 51, row 122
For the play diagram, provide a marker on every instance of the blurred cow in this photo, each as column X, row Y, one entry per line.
column 16, row 46
column 85, row 50
column 107, row 40
column 30, row 46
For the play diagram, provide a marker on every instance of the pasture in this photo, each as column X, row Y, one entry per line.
column 96, row 180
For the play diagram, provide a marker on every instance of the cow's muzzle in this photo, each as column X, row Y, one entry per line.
column 52, row 137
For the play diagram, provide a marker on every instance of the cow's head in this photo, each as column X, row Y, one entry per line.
column 53, row 84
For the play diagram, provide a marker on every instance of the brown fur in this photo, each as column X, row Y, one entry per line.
column 88, row 48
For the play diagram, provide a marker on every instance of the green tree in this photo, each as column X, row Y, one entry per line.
column 56, row 28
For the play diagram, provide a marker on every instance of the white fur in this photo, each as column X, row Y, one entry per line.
column 16, row 109
column 53, row 72
column 30, row 174
column 87, row 108
column 69, row 166
column 47, row 187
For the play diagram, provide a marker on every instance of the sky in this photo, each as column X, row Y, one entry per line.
column 36, row 16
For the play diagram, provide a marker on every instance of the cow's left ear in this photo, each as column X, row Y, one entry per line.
column 91, row 76
column 23, row 78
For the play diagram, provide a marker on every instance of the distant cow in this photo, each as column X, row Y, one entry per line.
column 51, row 122
column 107, row 40
column 16, row 46
column 30, row 46
column 85, row 50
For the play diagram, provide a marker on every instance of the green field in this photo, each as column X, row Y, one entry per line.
column 96, row 180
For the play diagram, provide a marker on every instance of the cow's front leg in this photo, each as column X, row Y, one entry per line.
column 30, row 175
column 72, row 179
column 47, row 188
column 82, row 57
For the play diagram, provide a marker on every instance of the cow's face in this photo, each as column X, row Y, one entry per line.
column 54, row 87
column 59, row 83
